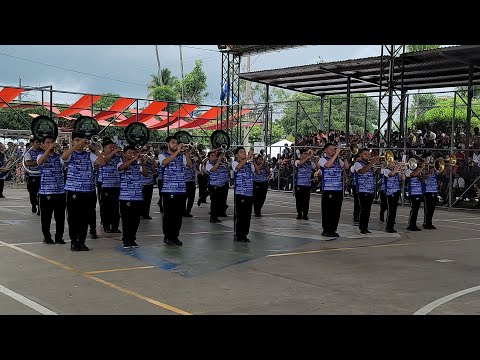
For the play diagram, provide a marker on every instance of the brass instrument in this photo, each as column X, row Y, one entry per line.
column 353, row 148
column 386, row 160
column 150, row 155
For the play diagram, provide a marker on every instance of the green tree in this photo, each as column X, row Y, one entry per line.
column 165, row 93
column 194, row 85
column 167, row 79
column 106, row 101
column 413, row 48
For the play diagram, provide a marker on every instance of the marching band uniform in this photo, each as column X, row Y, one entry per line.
column 215, row 183
column 148, row 189
column 160, row 185
column 190, row 175
column 383, row 197
column 243, row 192
column 260, row 187
column 202, row 178
column 356, row 204
column 415, row 194
column 33, row 180
column 365, row 190
column 225, row 171
column 132, row 180
column 303, row 185
column 52, row 195
column 430, row 192
column 392, row 192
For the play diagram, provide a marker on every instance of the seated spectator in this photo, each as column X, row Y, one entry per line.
column 458, row 185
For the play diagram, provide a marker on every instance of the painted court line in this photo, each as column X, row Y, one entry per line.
column 122, row 269
column 25, row 301
column 101, row 281
column 434, row 304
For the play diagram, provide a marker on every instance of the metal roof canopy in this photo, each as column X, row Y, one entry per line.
column 252, row 49
column 429, row 69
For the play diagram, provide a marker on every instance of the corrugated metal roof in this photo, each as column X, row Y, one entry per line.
column 428, row 69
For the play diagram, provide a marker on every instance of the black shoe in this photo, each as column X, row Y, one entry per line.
column 38, row 211
column 48, row 241
column 363, row 232
column 83, row 247
column 390, row 230
column 187, row 214
column 34, row 209
column 93, row 235
column 299, row 217
column 223, row 215
column 429, row 227
column 324, row 234
column 107, row 230
column 60, row 241
column 126, row 246
column 215, row 220
column 75, row 247
column 305, row 217
column 246, row 240
column 133, row 244
column 2, row 196
column 382, row 217
column 148, row 217
column 177, row 242
column 368, row 231
column 168, row 242
column 413, row 228
column 258, row 215
column 356, row 221
column 199, row 202
column 335, row 234
column 116, row 231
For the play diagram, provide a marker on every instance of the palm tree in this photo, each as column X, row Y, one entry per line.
column 167, row 79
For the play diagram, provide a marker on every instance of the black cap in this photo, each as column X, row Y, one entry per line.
column 78, row 135
column 106, row 141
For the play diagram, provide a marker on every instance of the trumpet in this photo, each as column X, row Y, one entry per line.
column 150, row 155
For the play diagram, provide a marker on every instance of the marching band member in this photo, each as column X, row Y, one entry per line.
column 392, row 193
column 260, row 184
column 202, row 178
column 150, row 166
column 110, row 190
column 51, row 192
column 415, row 194
column 243, row 192
column 33, row 180
column 383, row 197
column 332, row 188
column 215, row 183
column 80, row 188
column 132, row 173
column 190, row 176
column 430, row 193
column 173, row 163
column 303, row 182
column 225, row 171
column 356, row 204
column 365, row 187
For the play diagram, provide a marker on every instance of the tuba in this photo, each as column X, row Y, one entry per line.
column 88, row 126
column 221, row 140
column 137, row 134
column 41, row 127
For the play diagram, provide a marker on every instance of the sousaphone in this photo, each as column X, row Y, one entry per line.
column 137, row 134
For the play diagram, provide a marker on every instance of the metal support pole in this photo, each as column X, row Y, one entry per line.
column 168, row 119
column 51, row 102
column 365, row 130
column 322, row 120
column 469, row 112
column 391, row 72
column 450, row 183
column 329, row 119
column 347, row 114
column 265, row 125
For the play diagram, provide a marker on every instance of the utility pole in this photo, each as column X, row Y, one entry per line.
column 20, row 85
column 181, row 66
column 248, row 98
column 159, row 68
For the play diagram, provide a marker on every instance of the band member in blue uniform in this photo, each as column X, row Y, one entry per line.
column 132, row 173
column 303, row 182
column 430, row 193
column 173, row 163
column 332, row 188
column 216, row 181
column 383, row 197
column 392, row 193
column 225, row 171
column 110, row 179
column 260, row 184
column 151, row 167
column 356, row 203
column 365, row 187
column 80, row 187
column 202, row 178
column 51, row 192
column 243, row 192
column 190, row 176
column 415, row 194
column 33, row 179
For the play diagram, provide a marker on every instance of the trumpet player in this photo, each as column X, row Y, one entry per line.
column 356, row 204
column 80, row 187
column 415, row 194
column 332, row 188
column 392, row 192
column 51, row 192
column 260, row 184
column 430, row 193
column 303, row 182
column 33, row 179
column 109, row 177
column 215, row 183
column 365, row 187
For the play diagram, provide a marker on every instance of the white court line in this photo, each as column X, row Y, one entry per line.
column 25, row 301
column 429, row 307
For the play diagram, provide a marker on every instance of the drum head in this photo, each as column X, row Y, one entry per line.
column 183, row 137
column 44, row 126
column 218, row 138
column 86, row 125
column 137, row 134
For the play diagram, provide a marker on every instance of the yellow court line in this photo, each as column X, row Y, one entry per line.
column 101, row 281
column 120, row 269
column 367, row 247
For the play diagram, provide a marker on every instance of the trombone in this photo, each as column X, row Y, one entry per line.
column 386, row 159
column 353, row 148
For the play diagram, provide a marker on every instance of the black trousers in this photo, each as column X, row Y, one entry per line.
column 356, row 205
column 302, row 199
column 110, row 205
column 99, row 196
column 33, row 185
column 429, row 209
column 53, row 204
column 202, row 187
column 365, row 201
column 147, row 192
column 383, row 202
column 80, row 205
column 130, row 210
column 331, row 208
column 2, row 184
column 92, row 216
column 415, row 202
column 160, row 203
column 259, row 195
column 243, row 214
column 191, row 187
column 392, row 204
column 173, row 207
column 215, row 201
column 223, row 198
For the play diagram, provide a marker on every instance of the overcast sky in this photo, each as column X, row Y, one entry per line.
column 126, row 70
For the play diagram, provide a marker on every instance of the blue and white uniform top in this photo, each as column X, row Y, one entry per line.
column 108, row 174
column 131, row 182
column 52, row 180
column 331, row 177
column 243, row 178
column 303, row 173
column 392, row 183
column 430, row 184
column 414, row 184
column 173, row 174
column 262, row 177
column 225, row 172
column 159, row 170
column 33, row 155
column 365, row 181
column 215, row 178
column 191, row 173
column 80, row 176
column 148, row 180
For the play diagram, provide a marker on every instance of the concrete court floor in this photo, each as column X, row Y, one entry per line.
column 288, row 268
